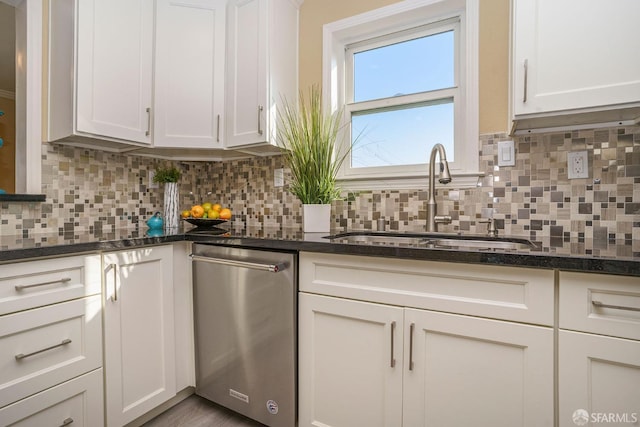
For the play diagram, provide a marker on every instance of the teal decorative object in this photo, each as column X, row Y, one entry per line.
column 155, row 222
column 154, row 232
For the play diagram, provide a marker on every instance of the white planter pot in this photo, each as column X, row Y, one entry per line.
column 171, row 202
column 316, row 218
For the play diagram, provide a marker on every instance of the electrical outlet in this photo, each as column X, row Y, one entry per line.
column 151, row 183
column 278, row 177
column 578, row 164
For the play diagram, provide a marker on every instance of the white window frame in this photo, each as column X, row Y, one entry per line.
column 400, row 17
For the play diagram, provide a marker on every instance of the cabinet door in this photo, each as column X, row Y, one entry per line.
column 139, row 332
column 189, row 74
column 346, row 377
column 183, row 316
column 114, row 68
column 577, row 54
column 247, row 91
column 599, row 375
column 463, row 371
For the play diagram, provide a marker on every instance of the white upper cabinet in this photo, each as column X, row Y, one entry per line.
column 575, row 62
column 189, row 74
column 114, row 68
column 148, row 75
column 177, row 79
column 262, row 67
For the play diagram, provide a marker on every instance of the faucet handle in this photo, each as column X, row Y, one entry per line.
column 491, row 226
column 442, row 219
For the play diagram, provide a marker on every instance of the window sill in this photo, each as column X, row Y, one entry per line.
column 468, row 180
column 22, row 197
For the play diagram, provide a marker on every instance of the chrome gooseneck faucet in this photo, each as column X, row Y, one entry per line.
column 445, row 177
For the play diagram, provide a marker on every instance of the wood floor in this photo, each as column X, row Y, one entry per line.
column 195, row 411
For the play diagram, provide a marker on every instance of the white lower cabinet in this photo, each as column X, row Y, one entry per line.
column 78, row 402
column 599, row 350
column 599, row 377
column 462, row 371
column 140, row 370
column 51, row 342
column 344, row 362
column 395, row 342
column 45, row 346
column 372, row 364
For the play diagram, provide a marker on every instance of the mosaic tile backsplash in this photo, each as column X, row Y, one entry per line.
column 91, row 190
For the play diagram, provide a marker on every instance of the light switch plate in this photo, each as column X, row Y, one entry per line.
column 577, row 164
column 151, row 183
column 278, row 177
column 506, row 153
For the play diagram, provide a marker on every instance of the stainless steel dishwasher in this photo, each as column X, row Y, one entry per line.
column 245, row 331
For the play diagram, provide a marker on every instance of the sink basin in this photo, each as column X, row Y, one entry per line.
column 383, row 239
column 432, row 240
column 481, row 244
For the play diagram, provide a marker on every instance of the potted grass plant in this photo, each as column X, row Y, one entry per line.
column 309, row 136
column 169, row 176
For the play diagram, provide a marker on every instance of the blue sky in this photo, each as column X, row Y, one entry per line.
column 403, row 136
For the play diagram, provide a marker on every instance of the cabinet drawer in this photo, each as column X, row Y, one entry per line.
column 601, row 304
column 46, row 346
column 26, row 285
column 508, row 293
column 75, row 402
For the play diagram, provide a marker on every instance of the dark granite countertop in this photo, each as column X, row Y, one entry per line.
column 611, row 257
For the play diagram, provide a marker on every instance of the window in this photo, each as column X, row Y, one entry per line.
column 405, row 79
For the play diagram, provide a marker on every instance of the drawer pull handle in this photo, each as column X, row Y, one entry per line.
column 260, row 109
column 148, row 131
column 21, row 287
column 526, row 72
column 617, row 307
column 24, row 356
column 393, row 331
column 411, row 328
column 114, row 297
column 218, row 130
column 66, row 422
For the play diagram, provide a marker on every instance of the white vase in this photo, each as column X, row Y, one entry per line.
column 316, row 218
column 171, row 205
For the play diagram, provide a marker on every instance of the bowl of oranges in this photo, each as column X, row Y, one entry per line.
column 206, row 215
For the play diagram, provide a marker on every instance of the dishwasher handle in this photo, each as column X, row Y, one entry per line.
column 271, row 268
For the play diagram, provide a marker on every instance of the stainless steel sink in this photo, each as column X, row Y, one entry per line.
column 386, row 239
column 432, row 240
column 481, row 244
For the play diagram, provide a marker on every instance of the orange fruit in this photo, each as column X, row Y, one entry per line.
column 225, row 213
column 216, row 207
column 185, row 214
column 197, row 211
